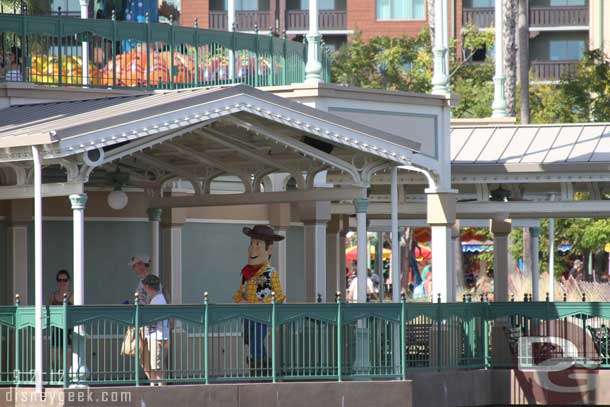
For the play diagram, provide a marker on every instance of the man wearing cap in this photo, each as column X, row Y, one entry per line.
column 258, row 281
column 576, row 271
column 141, row 266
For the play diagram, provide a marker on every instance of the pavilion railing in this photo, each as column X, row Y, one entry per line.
column 219, row 343
column 49, row 50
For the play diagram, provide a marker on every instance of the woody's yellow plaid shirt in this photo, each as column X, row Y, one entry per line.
column 258, row 289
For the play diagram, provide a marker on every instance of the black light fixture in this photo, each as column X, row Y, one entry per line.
column 318, row 144
column 499, row 194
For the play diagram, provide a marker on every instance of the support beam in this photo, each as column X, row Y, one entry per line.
column 79, row 363
column 333, row 256
column 248, row 150
column 535, row 243
column 395, row 238
column 315, row 216
column 300, row 147
column 441, row 216
column 48, row 190
column 361, row 205
column 279, row 218
column 501, row 228
column 253, row 198
column 171, row 274
column 487, row 210
column 154, row 217
column 38, row 262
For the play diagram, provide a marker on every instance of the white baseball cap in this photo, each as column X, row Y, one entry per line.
column 139, row 259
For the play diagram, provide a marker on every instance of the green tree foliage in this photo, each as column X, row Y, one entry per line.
column 581, row 98
column 406, row 64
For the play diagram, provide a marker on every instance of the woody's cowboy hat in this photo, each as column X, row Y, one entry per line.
column 262, row 232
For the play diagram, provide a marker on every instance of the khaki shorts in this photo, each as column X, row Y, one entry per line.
column 157, row 354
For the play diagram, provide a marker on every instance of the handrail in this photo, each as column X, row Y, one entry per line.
column 203, row 343
column 142, row 55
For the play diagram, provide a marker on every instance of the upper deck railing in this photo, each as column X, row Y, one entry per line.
column 205, row 343
column 50, row 50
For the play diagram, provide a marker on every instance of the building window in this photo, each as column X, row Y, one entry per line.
column 566, row 50
column 559, row 3
column 480, row 4
column 322, row 5
column 401, row 10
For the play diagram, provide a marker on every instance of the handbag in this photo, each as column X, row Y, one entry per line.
column 128, row 346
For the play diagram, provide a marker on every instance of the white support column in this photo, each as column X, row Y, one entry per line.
column 535, row 242
column 315, row 216
column 17, row 253
column 440, row 78
column 231, row 27
column 341, row 277
column 78, row 203
column 315, row 260
column 171, row 273
column 313, row 68
column 38, row 301
column 501, row 229
column 361, row 205
column 395, row 267
column 441, row 216
column 279, row 256
column 333, row 256
column 154, row 218
column 552, row 259
column 84, row 13
column 172, row 255
column 379, row 263
column 499, row 103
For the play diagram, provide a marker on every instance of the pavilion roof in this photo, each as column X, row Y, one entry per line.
column 71, row 127
column 531, row 144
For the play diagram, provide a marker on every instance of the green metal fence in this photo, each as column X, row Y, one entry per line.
column 50, row 50
column 207, row 343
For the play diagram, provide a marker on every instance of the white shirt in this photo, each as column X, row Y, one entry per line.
column 353, row 288
column 161, row 330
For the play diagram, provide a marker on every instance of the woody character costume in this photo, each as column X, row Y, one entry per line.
column 258, row 281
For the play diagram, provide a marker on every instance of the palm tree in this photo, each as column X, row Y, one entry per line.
column 524, row 61
column 510, row 55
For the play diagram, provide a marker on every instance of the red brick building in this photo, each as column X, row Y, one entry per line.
column 560, row 30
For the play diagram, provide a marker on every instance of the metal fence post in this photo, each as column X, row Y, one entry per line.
column 171, row 52
column 114, row 35
column 256, row 55
column 147, row 51
column 205, row 338
column 60, row 35
column 403, row 343
column 137, row 336
column 284, row 58
column 271, row 58
column 65, row 341
column 273, row 327
column 17, row 372
column 196, row 46
column 438, row 334
column 339, row 340
column 24, row 41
